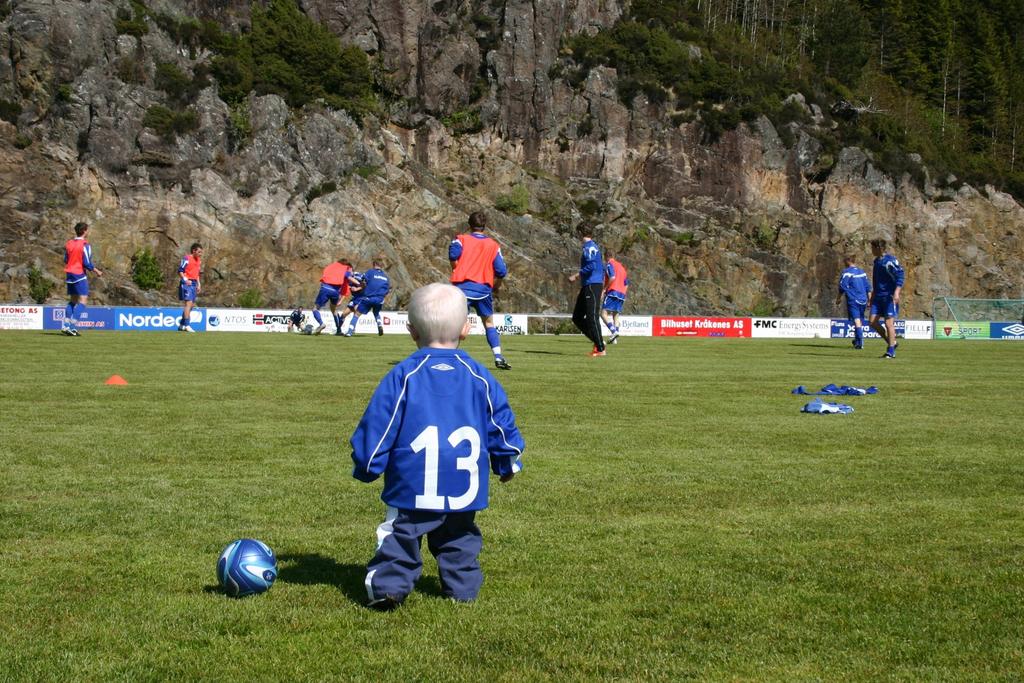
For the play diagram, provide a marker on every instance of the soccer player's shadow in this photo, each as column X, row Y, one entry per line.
column 314, row 568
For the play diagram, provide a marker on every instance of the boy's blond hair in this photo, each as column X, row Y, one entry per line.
column 437, row 312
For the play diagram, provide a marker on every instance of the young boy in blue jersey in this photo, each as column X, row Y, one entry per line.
column 376, row 286
column 435, row 424
column 853, row 283
column 887, row 278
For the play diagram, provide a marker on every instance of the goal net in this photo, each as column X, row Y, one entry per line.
column 959, row 318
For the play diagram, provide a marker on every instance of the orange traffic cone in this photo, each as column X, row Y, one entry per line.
column 117, row 380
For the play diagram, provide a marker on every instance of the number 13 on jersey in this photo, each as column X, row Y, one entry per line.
column 428, row 444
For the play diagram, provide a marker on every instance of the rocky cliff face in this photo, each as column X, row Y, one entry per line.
column 747, row 224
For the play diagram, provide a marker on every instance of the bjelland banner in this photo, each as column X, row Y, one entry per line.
column 634, row 326
column 701, row 327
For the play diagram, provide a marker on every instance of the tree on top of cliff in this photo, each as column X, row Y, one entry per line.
column 948, row 73
column 288, row 54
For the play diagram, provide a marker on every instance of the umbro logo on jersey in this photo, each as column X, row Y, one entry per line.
column 444, row 367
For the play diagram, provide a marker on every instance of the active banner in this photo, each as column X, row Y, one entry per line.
column 21, row 317
column 701, row 327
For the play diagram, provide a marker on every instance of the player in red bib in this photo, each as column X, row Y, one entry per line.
column 77, row 260
column 334, row 285
column 478, row 269
column 189, row 286
column 616, row 284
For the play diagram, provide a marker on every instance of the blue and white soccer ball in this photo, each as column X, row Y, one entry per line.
column 246, row 567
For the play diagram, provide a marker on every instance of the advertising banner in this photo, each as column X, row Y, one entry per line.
column 791, row 328
column 634, row 326
column 947, row 329
column 1007, row 331
column 248, row 320
column 13, row 317
column 918, row 329
column 157, row 319
column 94, row 318
column 505, row 323
column 907, row 329
column 843, row 329
column 701, row 327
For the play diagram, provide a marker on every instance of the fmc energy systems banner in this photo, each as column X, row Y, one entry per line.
column 701, row 327
column 791, row 328
column 21, row 317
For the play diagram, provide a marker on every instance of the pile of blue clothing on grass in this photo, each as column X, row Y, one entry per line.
column 821, row 407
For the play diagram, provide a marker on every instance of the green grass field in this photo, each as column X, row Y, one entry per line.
column 678, row 517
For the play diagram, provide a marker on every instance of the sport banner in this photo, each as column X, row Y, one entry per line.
column 13, row 317
column 157, row 319
column 94, row 318
column 791, row 328
column 946, row 329
column 634, row 326
column 701, row 327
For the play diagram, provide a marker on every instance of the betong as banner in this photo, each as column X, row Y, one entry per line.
column 21, row 317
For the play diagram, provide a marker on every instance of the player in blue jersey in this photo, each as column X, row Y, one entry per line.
column 376, row 286
column 587, row 313
column 356, row 283
column 887, row 278
column 853, row 283
column 295, row 319
column 435, row 424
